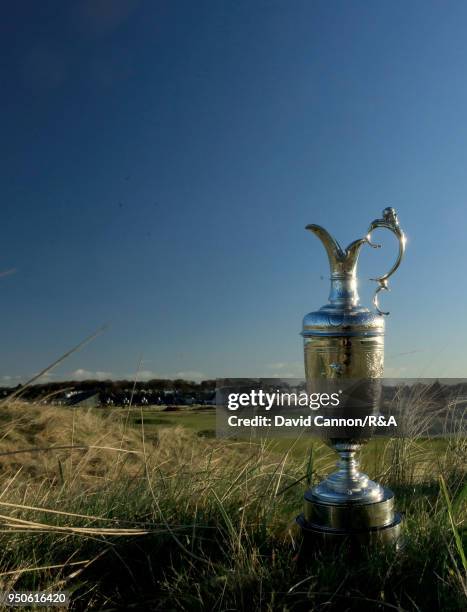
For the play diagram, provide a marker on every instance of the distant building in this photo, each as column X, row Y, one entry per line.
column 85, row 399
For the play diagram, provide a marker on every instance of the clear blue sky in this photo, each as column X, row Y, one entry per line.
column 161, row 160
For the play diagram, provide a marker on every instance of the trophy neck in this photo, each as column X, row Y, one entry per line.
column 343, row 294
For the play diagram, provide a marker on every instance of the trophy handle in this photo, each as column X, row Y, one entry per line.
column 390, row 222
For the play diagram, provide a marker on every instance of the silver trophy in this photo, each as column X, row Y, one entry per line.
column 343, row 340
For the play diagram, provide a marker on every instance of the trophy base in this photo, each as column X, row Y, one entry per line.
column 358, row 523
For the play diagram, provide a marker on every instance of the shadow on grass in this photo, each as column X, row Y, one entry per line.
column 208, row 570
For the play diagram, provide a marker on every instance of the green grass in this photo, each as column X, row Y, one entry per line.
column 189, row 418
column 375, row 456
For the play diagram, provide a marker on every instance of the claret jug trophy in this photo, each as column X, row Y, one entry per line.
column 345, row 341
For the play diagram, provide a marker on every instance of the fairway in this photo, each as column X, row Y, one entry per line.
column 375, row 456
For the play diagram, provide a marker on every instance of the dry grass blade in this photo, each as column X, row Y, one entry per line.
column 42, row 568
column 17, row 394
column 455, row 531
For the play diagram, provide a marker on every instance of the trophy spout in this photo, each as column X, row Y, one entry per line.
column 333, row 248
column 343, row 267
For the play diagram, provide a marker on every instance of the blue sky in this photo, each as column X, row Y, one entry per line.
column 161, row 160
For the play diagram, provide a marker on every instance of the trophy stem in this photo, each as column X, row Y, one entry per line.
column 348, row 474
column 348, row 466
column 348, row 485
